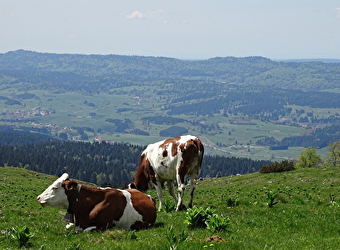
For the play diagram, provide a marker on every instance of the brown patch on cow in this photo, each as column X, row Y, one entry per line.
column 174, row 146
column 189, row 153
column 109, row 209
column 168, row 141
column 96, row 207
column 144, row 206
column 165, row 153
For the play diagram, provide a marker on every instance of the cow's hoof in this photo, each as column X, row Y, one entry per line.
column 69, row 218
column 182, row 207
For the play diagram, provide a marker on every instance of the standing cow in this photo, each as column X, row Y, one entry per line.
column 100, row 208
column 167, row 161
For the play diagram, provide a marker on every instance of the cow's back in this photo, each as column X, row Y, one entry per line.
column 167, row 155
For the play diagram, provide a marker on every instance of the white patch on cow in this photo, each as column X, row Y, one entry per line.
column 150, row 197
column 89, row 229
column 130, row 215
column 166, row 166
column 54, row 195
column 68, row 225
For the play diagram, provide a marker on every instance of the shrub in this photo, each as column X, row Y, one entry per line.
column 22, row 235
column 168, row 206
column 217, row 223
column 309, row 158
column 206, row 218
column 277, row 167
column 197, row 216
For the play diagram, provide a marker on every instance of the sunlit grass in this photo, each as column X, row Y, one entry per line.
column 305, row 216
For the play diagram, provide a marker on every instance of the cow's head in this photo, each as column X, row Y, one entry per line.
column 54, row 195
column 145, row 176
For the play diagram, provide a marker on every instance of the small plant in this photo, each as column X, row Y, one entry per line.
column 217, row 223
column 22, row 235
column 197, row 216
column 175, row 239
column 74, row 247
column 232, row 202
column 271, row 196
column 132, row 235
column 332, row 201
column 168, row 206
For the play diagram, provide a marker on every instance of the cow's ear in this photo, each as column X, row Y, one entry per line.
column 69, row 185
column 65, row 177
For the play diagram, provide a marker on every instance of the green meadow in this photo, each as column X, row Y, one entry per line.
column 235, row 136
column 303, row 213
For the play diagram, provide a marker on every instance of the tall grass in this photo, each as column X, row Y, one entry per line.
column 306, row 215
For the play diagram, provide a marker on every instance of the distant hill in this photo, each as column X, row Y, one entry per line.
column 324, row 60
column 50, row 69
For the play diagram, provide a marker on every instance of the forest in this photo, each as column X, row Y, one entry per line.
column 102, row 163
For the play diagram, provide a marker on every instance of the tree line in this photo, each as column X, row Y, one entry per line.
column 102, row 163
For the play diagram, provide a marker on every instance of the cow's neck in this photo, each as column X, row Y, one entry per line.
column 69, row 216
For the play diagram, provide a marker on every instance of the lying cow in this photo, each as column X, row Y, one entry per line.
column 98, row 208
column 169, row 160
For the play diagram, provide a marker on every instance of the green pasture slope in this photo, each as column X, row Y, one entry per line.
column 303, row 218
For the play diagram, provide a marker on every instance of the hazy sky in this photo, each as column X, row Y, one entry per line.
column 185, row 29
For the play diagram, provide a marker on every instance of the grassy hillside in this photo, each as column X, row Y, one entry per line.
column 303, row 218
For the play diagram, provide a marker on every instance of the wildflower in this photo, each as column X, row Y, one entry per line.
column 205, row 246
column 211, row 245
column 3, row 231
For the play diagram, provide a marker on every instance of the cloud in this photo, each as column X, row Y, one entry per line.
column 157, row 15
column 338, row 12
column 135, row 15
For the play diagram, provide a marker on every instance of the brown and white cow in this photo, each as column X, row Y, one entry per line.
column 100, row 208
column 167, row 161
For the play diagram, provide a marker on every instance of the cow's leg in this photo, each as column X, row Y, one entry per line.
column 159, row 190
column 181, row 188
column 171, row 189
column 192, row 190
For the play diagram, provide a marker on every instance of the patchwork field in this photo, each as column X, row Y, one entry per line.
column 228, row 136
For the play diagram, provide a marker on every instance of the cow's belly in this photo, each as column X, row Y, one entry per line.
column 166, row 173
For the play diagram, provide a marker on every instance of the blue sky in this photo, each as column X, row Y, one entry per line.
column 186, row 29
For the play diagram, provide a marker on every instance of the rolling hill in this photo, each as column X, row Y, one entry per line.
column 306, row 215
